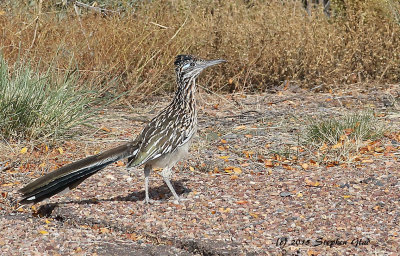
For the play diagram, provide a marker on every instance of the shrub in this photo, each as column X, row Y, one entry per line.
column 34, row 106
column 339, row 138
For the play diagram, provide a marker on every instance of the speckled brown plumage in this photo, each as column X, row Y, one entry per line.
column 164, row 141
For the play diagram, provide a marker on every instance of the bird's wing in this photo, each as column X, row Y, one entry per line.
column 161, row 136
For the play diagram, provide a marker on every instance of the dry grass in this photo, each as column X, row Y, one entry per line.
column 38, row 108
column 265, row 43
column 339, row 139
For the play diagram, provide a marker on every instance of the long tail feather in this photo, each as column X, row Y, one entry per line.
column 71, row 175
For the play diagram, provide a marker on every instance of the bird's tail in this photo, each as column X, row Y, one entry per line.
column 71, row 175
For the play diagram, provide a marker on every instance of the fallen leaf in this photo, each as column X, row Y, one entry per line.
column 248, row 154
column 268, row 163
column 312, row 183
column 104, row 230
column 240, row 127
column 191, row 168
column 254, row 215
column 312, row 253
column 228, row 169
column 105, row 129
column 346, row 196
column 221, row 148
column 287, row 167
column 224, row 209
column 367, row 161
column 223, row 141
column 241, row 202
column 132, row 236
column 223, row 157
column 60, row 150
column 304, row 166
column 331, row 164
column 389, row 148
column 323, row 147
column 23, row 150
column 43, row 232
column 237, row 170
column 338, row 145
column 120, row 163
column 348, row 131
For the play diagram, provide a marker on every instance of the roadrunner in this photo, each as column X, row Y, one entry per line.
column 162, row 143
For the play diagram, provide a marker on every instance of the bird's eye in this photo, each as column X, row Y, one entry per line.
column 185, row 66
column 192, row 64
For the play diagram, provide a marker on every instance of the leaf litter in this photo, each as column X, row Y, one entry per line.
column 248, row 183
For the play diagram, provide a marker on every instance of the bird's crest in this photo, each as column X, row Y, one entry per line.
column 183, row 59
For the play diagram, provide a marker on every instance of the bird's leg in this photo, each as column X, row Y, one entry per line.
column 147, row 170
column 166, row 173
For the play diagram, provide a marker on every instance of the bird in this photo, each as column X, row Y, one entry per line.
column 163, row 142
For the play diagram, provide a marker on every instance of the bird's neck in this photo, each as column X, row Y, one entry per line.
column 185, row 95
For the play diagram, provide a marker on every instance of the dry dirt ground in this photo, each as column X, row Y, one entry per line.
column 245, row 187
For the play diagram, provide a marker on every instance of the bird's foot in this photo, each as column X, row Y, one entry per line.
column 148, row 201
column 179, row 201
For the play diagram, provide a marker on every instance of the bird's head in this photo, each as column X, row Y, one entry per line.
column 188, row 66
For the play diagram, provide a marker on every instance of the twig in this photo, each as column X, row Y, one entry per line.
column 80, row 22
column 8, row 144
column 7, row 167
column 129, row 104
column 282, row 100
column 36, row 23
column 159, row 25
column 169, row 40
column 219, row 96
column 94, row 8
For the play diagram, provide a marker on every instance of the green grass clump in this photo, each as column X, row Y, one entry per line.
column 339, row 138
column 35, row 107
column 359, row 126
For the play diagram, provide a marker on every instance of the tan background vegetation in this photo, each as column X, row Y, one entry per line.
column 265, row 42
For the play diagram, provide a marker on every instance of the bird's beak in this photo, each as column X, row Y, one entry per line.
column 209, row 63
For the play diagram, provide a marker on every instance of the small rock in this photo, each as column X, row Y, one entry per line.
column 344, row 185
column 285, row 194
column 230, row 136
